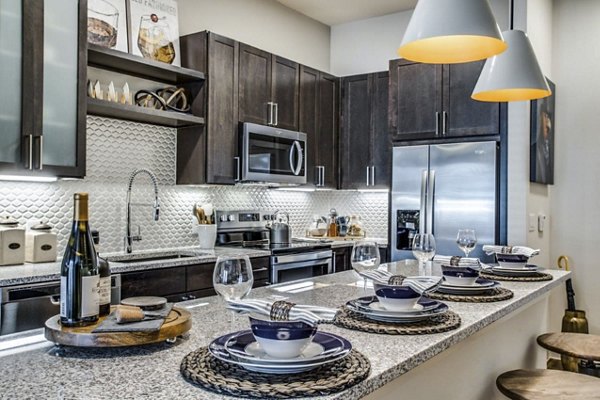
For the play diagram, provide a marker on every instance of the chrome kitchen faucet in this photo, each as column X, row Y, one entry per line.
column 129, row 238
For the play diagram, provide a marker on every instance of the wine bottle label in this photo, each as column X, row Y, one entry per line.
column 104, row 291
column 89, row 295
column 63, row 296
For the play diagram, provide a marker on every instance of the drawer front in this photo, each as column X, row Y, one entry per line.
column 199, row 277
column 159, row 282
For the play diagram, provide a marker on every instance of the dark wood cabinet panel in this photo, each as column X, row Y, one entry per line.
column 432, row 102
column 209, row 157
column 199, row 276
column 342, row 258
column 365, row 147
column 381, row 145
column 415, row 99
column 156, row 282
column 355, row 134
column 465, row 116
column 384, row 254
column 328, row 129
column 308, row 123
column 254, row 85
column 285, row 92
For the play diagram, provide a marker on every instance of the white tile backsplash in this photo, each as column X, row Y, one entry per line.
column 115, row 148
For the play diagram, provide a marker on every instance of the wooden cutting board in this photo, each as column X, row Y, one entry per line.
column 177, row 323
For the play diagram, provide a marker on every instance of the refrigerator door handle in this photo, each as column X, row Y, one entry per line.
column 430, row 199
column 423, row 211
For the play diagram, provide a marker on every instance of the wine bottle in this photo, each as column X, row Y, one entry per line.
column 104, row 272
column 79, row 278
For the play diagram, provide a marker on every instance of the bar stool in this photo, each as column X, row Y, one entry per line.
column 577, row 345
column 547, row 384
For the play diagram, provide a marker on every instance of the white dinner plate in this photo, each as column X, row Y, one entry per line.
column 480, row 283
column 218, row 350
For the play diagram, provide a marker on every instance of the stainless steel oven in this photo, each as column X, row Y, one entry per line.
column 290, row 267
column 270, row 154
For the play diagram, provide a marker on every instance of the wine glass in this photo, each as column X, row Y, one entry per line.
column 423, row 248
column 466, row 240
column 232, row 277
column 364, row 257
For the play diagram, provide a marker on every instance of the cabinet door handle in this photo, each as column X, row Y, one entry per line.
column 29, row 163
column 373, row 175
column 437, row 123
column 276, row 112
column 41, row 149
column 237, row 169
column 270, row 113
column 322, row 176
column 368, row 176
column 260, row 270
column 444, row 123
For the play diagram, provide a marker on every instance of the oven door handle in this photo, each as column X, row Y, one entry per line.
column 303, row 264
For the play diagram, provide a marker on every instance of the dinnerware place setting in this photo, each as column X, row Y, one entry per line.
column 513, row 264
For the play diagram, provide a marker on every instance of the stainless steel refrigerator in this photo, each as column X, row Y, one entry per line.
column 440, row 189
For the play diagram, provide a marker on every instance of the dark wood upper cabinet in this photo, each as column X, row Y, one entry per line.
column 309, row 122
column 268, row 88
column 328, row 128
column 210, row 157
column 365, row 148
column 434, row 102
column 465, row 116
column 254, row 85
column 319, row 110
column 285, row 82
column 381, row 145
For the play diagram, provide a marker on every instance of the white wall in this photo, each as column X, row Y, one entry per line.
column 367, row 45
column 540, row 31
column 265, row 24
column 575, row 230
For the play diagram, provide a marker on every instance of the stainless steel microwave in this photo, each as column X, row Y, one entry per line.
column 274, row 155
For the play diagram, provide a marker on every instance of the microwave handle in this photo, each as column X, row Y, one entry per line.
column 296, row 146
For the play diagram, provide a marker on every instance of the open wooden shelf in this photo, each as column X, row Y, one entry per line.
column 141, row 114
column 125, row 63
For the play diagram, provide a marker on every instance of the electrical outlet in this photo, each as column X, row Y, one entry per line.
column 541, row 221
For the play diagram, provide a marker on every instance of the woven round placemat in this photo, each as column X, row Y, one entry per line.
column 538, row 277
column 495, row 294
column 201, row 368
column 441, row 323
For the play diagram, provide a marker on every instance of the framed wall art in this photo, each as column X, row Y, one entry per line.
column 154, row 30
column 107, row 24
column 542, row 138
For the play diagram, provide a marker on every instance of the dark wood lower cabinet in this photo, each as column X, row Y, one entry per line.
column 342, row 257
column 183, row 283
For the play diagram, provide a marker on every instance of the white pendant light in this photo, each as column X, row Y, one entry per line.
column 514, row 75
column 451, row 31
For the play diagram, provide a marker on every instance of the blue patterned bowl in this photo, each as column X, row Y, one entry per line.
column 462, row 276
column 511, row 260
column 281, row 339
column 396, row 298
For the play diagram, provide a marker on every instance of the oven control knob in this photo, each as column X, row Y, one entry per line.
column 231, row 218
column 223, row 218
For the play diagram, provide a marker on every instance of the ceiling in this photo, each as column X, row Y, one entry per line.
column 333, row 12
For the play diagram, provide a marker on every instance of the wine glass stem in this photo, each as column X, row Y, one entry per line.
column 421, row 267
column 365, row 285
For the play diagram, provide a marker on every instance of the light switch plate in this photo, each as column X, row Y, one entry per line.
column 533, row 222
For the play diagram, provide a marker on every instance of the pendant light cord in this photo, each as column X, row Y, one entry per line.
column 511, row 14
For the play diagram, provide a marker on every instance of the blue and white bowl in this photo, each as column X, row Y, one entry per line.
column 507, row 260
column 396, row 298
column 281, row 339
column 459, row 276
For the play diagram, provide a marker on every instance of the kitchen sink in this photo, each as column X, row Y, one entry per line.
column 157, row 256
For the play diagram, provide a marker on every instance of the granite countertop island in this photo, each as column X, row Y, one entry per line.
column 153, row 371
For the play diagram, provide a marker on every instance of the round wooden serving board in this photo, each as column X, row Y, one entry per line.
column 176, row 324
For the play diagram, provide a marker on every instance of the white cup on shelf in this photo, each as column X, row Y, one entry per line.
column 207, row 235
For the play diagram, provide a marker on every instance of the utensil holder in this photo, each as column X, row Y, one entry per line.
column 207, row 235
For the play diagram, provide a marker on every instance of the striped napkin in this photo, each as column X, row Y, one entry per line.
column 311, row 315
column 420, row 284
column 526, row 251
column 457, row 261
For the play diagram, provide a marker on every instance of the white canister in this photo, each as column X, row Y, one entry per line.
column 207, row 235
column 40, row 244
column 12, row 242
